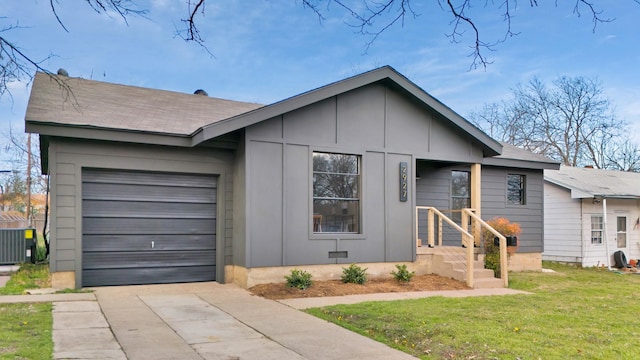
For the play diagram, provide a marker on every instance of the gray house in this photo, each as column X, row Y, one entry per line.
column 151, row 186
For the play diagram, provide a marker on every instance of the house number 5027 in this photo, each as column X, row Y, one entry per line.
column 404, row 180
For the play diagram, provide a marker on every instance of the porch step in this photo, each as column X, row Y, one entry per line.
column 492, row 283
column 451, row 262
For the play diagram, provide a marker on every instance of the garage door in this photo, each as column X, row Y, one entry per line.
column 147, row 227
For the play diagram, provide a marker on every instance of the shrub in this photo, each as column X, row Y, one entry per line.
column 402, row 275
column 298, row 279
column 492, row 252
column 354, row 274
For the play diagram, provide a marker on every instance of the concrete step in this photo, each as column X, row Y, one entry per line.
column 492, row 283
column 462, row 265
column 451, row 262
column 483, row 274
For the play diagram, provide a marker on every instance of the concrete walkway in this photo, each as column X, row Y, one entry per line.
column 307, row 303
column 200, row 321
column 5, row 273
column 208, row 321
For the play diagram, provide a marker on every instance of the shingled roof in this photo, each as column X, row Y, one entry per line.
column 95, row 104
column 102, row 111
column 588, row 183
column 516, row 157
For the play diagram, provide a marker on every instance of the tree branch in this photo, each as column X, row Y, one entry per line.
column 595, row 14
column 192, row 31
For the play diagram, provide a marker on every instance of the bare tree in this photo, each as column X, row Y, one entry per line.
column 370, row 18
column 13, row 193
column 571, row 121
column 623, row 156
column 373, row 17
column 16, row 65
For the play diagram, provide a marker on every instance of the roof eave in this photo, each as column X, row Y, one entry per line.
column 517, row 163
column 106, row 134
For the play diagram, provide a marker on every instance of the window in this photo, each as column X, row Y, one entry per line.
column 336, row 193
column 516, row 189
column 621, row 232
column 597, row 225
column 460, row 192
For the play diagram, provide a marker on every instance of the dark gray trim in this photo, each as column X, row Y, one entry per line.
column 94, row 133
column 522, row 164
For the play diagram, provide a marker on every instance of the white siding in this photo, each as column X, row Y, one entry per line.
column 633, row 230
column 567, row 224
column 562, row 225
column 596, row 254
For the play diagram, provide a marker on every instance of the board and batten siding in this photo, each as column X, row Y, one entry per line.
column 434, row 189
column 68, row 157
column 562, row 225
column 529, row 215
column 375, row 122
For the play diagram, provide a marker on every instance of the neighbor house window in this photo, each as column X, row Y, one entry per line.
column 460, row 192
column 597, row 226
column 336, row 193
column 621, row 232
column 516, row 189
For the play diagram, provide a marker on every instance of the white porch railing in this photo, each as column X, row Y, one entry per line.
column 468, row 239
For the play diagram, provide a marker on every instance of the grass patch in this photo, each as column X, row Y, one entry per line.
column 25, row 331
column 41, row 249
column 572, row 314
column 29, row 276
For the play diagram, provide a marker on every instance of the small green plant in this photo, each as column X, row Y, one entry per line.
column 298, row 279
column 354, row 274
column 402, row 275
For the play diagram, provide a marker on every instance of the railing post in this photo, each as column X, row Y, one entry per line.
column 417, row 235
column 431, row 233
column 504, row 272
column 439, row 231
column 470, row 267
column 464, row 224
column 468, row 243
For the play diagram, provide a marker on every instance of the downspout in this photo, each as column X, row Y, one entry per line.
column 583, row 236
column 604, row 225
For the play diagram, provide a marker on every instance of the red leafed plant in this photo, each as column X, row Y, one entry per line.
column 492, row 252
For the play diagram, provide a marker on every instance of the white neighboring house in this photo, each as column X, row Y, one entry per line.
column 575, row 228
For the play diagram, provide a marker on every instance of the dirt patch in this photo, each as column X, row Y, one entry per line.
column 338, row 288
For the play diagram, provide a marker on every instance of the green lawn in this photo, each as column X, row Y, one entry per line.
column 25, row 331
column 573, row 313
column 29, row 276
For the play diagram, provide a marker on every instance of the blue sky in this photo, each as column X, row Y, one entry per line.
column 268, row 50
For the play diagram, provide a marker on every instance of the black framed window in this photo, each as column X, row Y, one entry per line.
column 516, row 189
column 336, row 193
column 460, row 192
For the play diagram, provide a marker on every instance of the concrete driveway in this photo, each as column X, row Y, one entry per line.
column 199, row 321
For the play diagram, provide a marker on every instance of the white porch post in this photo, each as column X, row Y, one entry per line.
column 604, row 231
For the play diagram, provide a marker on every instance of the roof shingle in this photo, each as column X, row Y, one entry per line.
column 587, row 182
column 113, row 106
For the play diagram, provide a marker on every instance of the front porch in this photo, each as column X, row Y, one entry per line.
column 464, row 262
